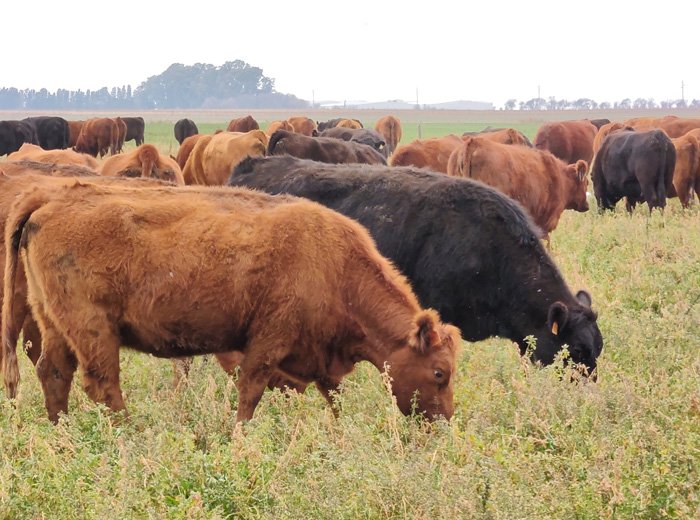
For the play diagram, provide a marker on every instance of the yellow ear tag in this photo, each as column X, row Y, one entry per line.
column 555, row 328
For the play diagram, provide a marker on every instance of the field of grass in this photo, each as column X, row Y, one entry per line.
column 525, row 442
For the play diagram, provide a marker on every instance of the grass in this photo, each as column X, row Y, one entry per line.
column 524, row 442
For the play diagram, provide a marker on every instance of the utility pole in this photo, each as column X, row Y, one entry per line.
column 683, row 91
column 313, row 99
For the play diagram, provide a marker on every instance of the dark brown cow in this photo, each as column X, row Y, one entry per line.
column 543, row 184
column 144, row 161
column 303, row 125
column 121, row 136
column 427, row 153
column 145, row 269
column 570, row 141
column 74, row 128
column 97, row 136
column 365, row 136
column 322, row 149
column 390, row 128
column 686, row 174
column 243, row 124
column 135, row 129
column 185, row 150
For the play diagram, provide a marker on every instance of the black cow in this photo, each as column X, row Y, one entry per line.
column 332, row 123
column 599, row 122
column 135, row 129
column 322, row 149
column 15, row 133
column 52, row 132
column 358, row 135
column 469, row 251
column 185, row 128
column 635, row 165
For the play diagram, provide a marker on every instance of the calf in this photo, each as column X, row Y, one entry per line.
column 168, row 272
column 469, row 251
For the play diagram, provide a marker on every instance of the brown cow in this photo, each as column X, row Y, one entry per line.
column 427, row 153
column 168, row 272
column 194, row 168
column 349, row 123
column 41, row 168
column 676, row 127
column 278, row 125
column 121, row 136
column 570, row 141
column 144, row 161
column 322, row 149
column 686, row 174
column 74, row 128
column 224, row 151
column 243, row 124
column 303, row 125
column 542, row 183
column 390, row 128
column 33, row 152
column 97, row 136
column 604, row 131
column 185, row 150
column 502, row 135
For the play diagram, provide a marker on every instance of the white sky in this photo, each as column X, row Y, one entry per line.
column 367, row 50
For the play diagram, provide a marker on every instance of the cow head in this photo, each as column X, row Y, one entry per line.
column 574, row 325
column 423, row 371
column 578, row 185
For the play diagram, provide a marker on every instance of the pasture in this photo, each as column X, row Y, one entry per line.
column 525, row 442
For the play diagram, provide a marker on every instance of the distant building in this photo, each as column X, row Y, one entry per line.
column 397, row 104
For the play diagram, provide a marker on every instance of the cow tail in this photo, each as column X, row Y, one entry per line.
column 276, row 137
column 393, row 139
column 148, row 157
column 665, row 179
column 14, row 238
column 470, row 146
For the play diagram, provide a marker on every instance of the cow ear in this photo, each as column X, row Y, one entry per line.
column 581, row 169
column 584, row 298
column 557, row 317
column 427, row 335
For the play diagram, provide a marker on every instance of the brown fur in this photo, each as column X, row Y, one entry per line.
column 278, row 125
column 686, row 175
column 243, row 124
column 220, row 154
column 648, row 122
column 121, row 136
column 427, row 153
column 679, row 126
column 349, row 123
column 303, row 125
column 33, row 152
column 323, row 149
column 74, row 128
column 310, row 319
column 506, row 136
column 58, row 170
column 194, row 167
column 97, row 137
column 606, row 129
column 185, row 150
column 144, row 161
column 543, row 184
column 570, row 141
column 390, row 128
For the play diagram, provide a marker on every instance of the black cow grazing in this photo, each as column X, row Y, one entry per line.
column 635, row 165
column 469, row 251
column 52, row 132
column 135, row 129
column 322, row 149
column 185, row 128
column 13, row 134
column 358, row 135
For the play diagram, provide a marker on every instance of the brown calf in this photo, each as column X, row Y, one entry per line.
column 179, row 272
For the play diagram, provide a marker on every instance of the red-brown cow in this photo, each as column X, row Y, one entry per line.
column 303, row 125
column 570, row 141
column 144, row 161
column 686, row 174
column 33, row 152
column 243, row 124
column 74, row 128
column 543, row 184
column 185, row 150
column 427, row 153
column 168, row 272
column 390, row 128
column 97, row 136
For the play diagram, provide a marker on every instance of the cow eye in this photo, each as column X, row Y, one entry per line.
column 439, row 375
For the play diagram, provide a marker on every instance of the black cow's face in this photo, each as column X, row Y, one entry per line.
column 575, row 326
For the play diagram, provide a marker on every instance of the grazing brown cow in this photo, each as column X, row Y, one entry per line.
column 390, row 128
column 97, row 136
column 322, row 149
column 33, row 152
column 679, row 126
column 502, row 135
column 648, row 122
column 144, row 161
column 168, row 272
column 224, row 151
column 349, row 123
column 427, row 153
column 121, row 136
column 278, row 125
column 74, row 128
column 243, row 124
column 303, row 125
column 570, row 141
column 543, row 184
column 185, row 150
column 686, row 174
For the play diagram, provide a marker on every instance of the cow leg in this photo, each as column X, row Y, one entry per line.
column 181, row 370
column 100, row 371
column 327, row 386
column 31, row 339
column 230, row 360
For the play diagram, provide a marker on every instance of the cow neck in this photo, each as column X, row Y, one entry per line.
column 384, row 308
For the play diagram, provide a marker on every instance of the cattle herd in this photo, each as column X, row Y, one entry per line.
column 297, row 252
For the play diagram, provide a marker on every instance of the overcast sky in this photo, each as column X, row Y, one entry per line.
column 370, row 50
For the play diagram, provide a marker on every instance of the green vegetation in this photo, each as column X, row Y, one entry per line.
column 524, row 442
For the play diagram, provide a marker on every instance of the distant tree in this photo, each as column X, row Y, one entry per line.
column 510, row 104
column 695, row 103
column 639, row 103
column 605, row 105
column 534, row 104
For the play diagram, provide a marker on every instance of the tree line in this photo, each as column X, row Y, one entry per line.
column 590, row 104
column 235, row 84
